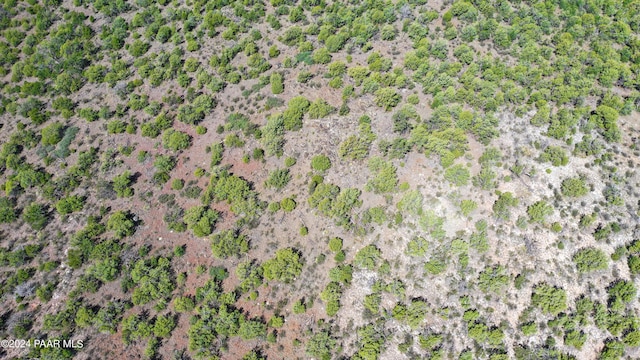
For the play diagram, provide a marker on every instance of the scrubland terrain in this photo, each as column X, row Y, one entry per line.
column 320, row 179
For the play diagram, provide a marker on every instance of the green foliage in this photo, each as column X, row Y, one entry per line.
column 138, row 48
column 572, row 65
column 335, row 244
column 371, row 342
column 493, row 279
column 549, row 299
column 590, row 259
column 177, row 184
column 284, row 267
column 175, row 140
column 387, row 98
column 250, row 275
column 623, row 290
column 122, row 184
column 367, row 257
column 331, row 296
column 430, row 341
column 467, row 207
column 605, row 118
column 457, row 174
column 321, row 345
column 52, row 134
column 501, row 207
column 296, row 108
column 153, row 279
column 433, row 224
column 273, row 135
column 417, row 246
column 435, row 266
column 122, row 224
column 320, row 163
column 612, row 195
column 108, row 317
column 217, row 153
column 70, row 204
column 278, row 178
column 183, row 304
column 195, row 112
column 341, row 274
column 201, row 220
column 539, row 210
column 277, row 83
column 36, row 215
column 555, row 155
column 404, row 118
column 320, row 109
column 385, row 180
column 321, row 56
column 485, row 179
column 413, row 315
column 575, row 338
column 331, row 201
column 574, row 187
column 8, row 213
column 411, row 201
column 233, row 141
column 357, row 147
column 229, row 243
column 613, row 349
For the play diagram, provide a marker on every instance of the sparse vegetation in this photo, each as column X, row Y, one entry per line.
column 397, row 179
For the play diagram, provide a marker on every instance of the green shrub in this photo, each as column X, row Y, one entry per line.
column 417, row 246
column 367, row 257
column 457, row 174
column 493, row 279
column 201, row 130
column 36, row 215
column 278, row 178
column 387, row 98
column 175, row 140
column 320, row 109
column 122, row 184
column 467, row 207
column 153, row 279
column 321, row 56
column 70, row 204
column 277, row 85
column 335, row 244
column 385, row 176
column 574, row 187
column 320, row 163
column 288, row 204
column 121, row 223
column 183, row 304
column 229, row 243
column 331, row 296
column 590, row 259
column 52, row 134
column 623, row 290
column 555, row 155
column 177, row 184
column 539, row 210
column 8, row 212
column 285, row 266
column 502, row 206
column 549, row 299
column 201, row 220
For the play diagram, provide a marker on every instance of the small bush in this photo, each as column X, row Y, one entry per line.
column 320, row 163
